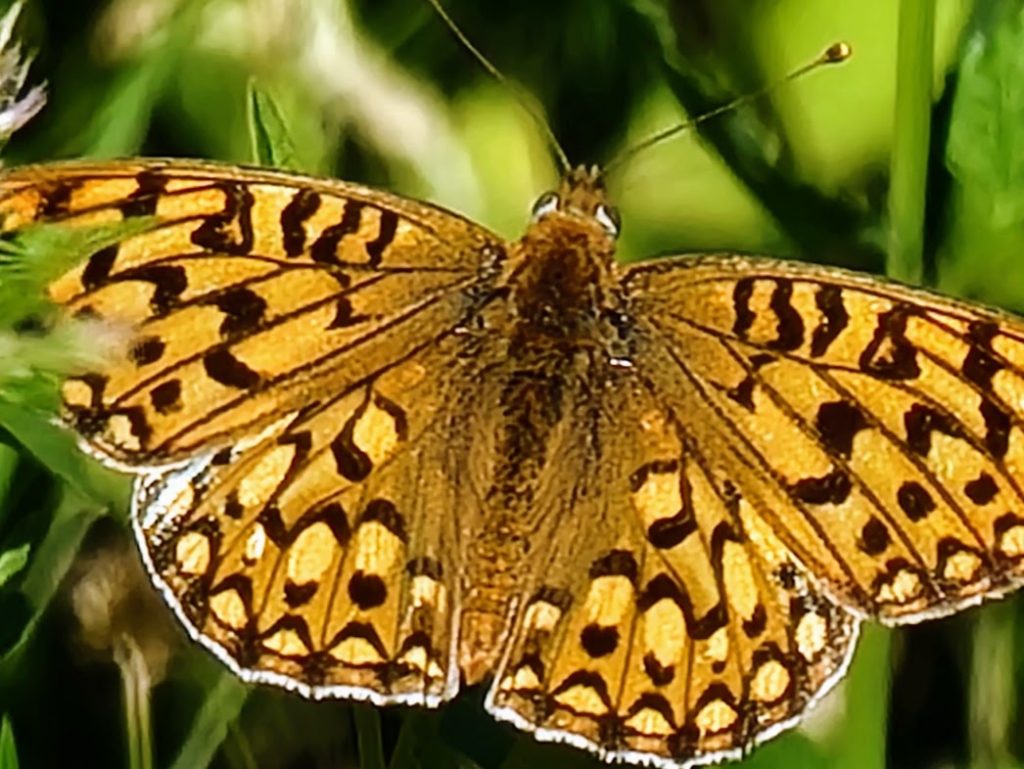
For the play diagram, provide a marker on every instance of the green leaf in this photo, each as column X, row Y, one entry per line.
column 51, row 561
column 40, row 253
column 8, row 752
column 371, row 750
column 269, row 135
column 55, row 447
column 908, row 170
column 861, row 742
column 985, row 154
column 986, row 144
column 222, row 707
column 12, row 562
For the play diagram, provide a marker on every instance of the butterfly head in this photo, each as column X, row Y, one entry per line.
column 581, row 195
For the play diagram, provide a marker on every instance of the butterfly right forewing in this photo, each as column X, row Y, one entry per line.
column 879, row 426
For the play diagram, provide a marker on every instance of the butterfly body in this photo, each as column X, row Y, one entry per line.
column 381, row 452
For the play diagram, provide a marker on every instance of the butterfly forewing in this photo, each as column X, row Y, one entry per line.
column 252, row 293
column 879, row 426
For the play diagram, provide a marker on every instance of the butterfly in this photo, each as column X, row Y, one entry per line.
column 382, row 454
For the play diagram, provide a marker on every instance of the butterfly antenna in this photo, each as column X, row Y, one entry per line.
column 563, row 159
column 834, row 54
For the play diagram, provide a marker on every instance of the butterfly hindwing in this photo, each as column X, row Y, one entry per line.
column 881, row 426
column 687, row 632
column 311, row 556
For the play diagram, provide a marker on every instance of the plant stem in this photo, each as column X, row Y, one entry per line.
column 136, row 684
column 908, row 169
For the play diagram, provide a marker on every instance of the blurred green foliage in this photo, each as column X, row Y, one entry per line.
column 378, row 91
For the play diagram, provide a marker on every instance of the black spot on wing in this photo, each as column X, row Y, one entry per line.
column 296, row 595
column 98, row 268
column 658, row 673
column 838, row 422
column 385, row 512
column 147, row 350
column 743, row 393
column 666, row 533
column 243, row 310
column 144, row 198
column 168, row 280
column 385, row 235
column 834, row 319
column 914, row 500
column 889, row 354
column 166, row 396
column 230, row 230
column 982, row 489
column 55, row 198
column 304, row 204
column 325, row 247
column 997, row 428
column 979, row 364
column 790, row 325
column 351, row 461
column 599, row 640
column 742, row 314
column 615, row 563
column 367, row 591
column 874, row 537
column 233, row 509
column 755, row 624
column 274, row 527
column 223, row 367
column 921, row 421
column 832, row 488
column 345, row 315
column 333, row 514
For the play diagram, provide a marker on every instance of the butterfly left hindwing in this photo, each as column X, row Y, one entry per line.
column 310, row 557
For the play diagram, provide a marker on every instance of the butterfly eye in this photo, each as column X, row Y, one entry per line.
column 545, row 204
column 609, row 218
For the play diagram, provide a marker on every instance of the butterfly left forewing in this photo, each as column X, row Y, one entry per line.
column 878, row 426
column 249, row 293
column 686, row 633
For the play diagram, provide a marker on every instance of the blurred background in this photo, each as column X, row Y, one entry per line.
column 907, row 159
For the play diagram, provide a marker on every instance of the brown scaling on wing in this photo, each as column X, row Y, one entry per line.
column 881, row 425
column 685, row 629
column 524, row 417
column 251, row 293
